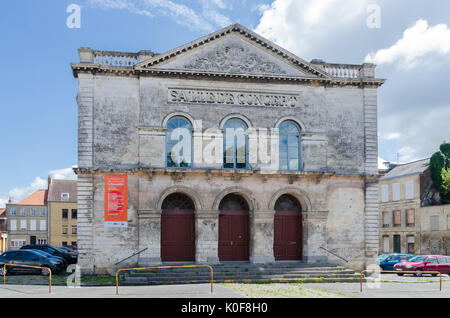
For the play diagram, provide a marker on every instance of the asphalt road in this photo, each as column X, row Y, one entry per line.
column 390, row 286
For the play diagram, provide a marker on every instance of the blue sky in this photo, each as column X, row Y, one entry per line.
column 38, row 110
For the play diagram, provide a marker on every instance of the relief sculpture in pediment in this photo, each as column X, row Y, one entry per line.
column 234, row 59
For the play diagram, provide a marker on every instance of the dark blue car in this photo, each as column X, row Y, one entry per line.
column 387, row 261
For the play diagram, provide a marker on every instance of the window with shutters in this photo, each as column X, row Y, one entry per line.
column 410, row 221
column 396, row 219
column 386, row 218
column 434, row 223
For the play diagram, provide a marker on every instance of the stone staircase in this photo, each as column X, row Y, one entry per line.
column 242, row 273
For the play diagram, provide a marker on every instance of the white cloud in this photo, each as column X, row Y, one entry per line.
column 298, row 25
column 18, row 194
column 417, row 41
column 391, row 136
column 3, row 202
column 422, row 131
column 207, row 20
column 66, row 174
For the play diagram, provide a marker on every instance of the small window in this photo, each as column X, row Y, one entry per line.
column 13, row 212
column 64, row 243
column 74, row 213
column 23, row 212
column 386, row 219
column 434, row 223
column 65, row 213
column 397, row 220
column 43, row 212
column 384, row 193
column 65, row 196
column 409, row 190
column 410, row 217
column 42, row 241
column 396, row 192
column 43, row 225
column 32, row 211
column 64, row 229
column 23, row 225
column 74, row 243
column 13, row 225
column 74, row 229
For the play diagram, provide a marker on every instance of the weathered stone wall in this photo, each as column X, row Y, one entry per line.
column 434, row 241
column 123, row 113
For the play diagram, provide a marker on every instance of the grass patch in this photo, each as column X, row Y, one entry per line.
column 282, row 290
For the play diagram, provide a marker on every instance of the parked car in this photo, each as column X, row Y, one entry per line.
column 70, row 258
column 67, row 249
column 32, row 258
column 387, row 261
column 50, row 255
column 424, row 263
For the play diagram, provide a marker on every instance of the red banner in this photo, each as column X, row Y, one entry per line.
column 116, row 200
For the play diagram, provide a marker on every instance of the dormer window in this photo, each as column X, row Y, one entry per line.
column 64, row 195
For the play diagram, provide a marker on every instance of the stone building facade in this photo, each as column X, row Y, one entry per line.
column 27, row 220
column 400, row 193
column 221, row 198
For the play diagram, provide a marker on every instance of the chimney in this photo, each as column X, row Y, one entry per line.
column 10, row 199
column 49, row 181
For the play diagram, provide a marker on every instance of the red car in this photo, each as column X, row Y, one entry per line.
column 424, row 263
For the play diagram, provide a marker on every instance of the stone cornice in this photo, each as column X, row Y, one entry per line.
column 143, row 64
column 319, row 175
column 189, row 74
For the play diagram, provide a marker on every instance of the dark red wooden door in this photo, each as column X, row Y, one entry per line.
column 233, row 230
column 287, row 243
column 177, row 231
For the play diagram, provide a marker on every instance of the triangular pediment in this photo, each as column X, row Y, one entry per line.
column 233, row 50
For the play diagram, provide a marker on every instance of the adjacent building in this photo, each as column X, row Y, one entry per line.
column 3, row 231
column 62, row 208
column 27, row 221
column 411, row 218
column 400, row 197
column 228, row 148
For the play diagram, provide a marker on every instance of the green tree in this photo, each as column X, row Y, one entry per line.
column 446, row 182
column 439, row 167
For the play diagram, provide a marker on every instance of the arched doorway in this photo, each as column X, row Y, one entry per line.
column 177, row 229
column 287, row 242
column 233, row 229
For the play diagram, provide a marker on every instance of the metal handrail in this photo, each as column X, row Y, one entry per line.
column 333, row 254
column 162, row 267
column 29, row 266
column 131, row 256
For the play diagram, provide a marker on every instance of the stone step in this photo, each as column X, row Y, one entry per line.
column 242, row 273
column 163, row 279
column 144, row 281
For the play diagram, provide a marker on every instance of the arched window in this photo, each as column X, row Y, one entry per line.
column 235, row 144
column 290, row 150
column 178, row 142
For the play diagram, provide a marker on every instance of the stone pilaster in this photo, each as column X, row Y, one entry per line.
column 85, row 100
column 207, row 236
column 149, row 237
column 85, row 202
column 261, row 236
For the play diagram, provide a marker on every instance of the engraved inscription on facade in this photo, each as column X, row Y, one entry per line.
column 195, row 96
